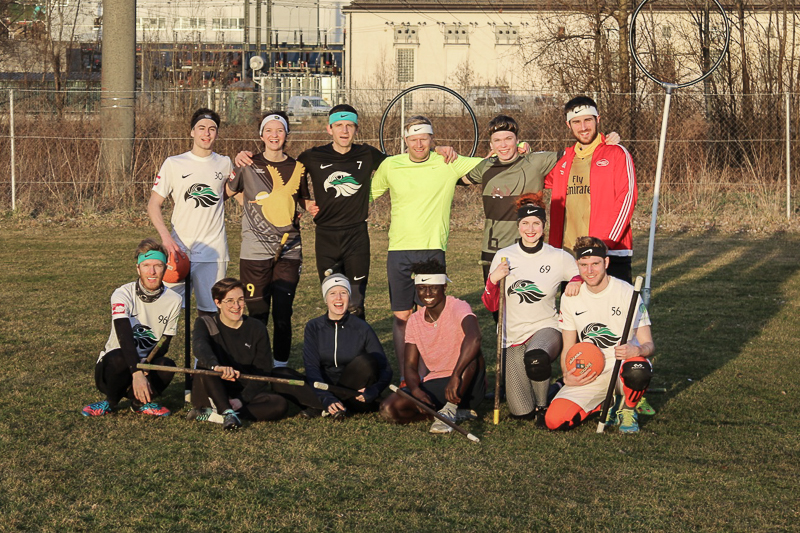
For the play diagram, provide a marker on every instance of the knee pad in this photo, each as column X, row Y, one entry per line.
column 537, row 365
column 636, row 375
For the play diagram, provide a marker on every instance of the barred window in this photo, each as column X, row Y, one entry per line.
column 455, row 34
column 506, row 34
column 227, row 24
column 404, row 57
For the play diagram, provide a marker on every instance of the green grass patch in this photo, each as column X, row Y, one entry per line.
column 721, row 454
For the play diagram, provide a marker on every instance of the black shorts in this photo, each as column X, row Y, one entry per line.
column 402, row 292
column 471, row 400
column 346, row 251
column 259, row 275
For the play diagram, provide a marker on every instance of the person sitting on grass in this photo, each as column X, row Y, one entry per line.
column 142, row 313
column 445, row 336
column 341, row 349
column 234, row 344
column 597, row 315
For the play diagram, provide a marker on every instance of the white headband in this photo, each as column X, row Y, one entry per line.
column 582, row 110
column 272, row 117
column 336, row 280
column 419, row 128
column 431, row 279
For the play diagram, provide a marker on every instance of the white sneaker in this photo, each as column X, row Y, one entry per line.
column 449, row 412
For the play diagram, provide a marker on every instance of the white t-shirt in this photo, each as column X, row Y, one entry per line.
column 600, row 319
column 149, row 321
column 197, row 186
column 531, row 288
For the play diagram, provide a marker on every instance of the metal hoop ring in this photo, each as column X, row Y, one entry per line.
column 441, row 88
column 714, row 67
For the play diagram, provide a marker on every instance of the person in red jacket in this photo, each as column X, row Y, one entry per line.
column 594, row 190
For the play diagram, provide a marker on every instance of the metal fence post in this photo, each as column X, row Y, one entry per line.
column 13, row 149
column 210, row 98
column 788, row 158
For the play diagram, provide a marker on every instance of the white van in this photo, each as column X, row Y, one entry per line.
column 307, row 106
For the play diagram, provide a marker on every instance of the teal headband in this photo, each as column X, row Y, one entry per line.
column 343, row 115
column 152, row 254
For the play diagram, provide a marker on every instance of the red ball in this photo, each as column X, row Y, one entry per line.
column 177, row 267
column 585, row 357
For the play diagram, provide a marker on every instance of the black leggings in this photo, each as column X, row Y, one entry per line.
column 346, row 251
column 113, row 377
column 269, row 284
column 359, row 373
column 263, row 406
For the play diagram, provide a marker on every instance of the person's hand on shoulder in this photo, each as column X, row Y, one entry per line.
column 572, row 288
column 243, row 159
column 500, row 272
column 613, row 138
column 448, row 152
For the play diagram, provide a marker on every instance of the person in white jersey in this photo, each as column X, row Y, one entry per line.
column 195, row 180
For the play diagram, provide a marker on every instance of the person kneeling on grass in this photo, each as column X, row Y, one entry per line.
column 142, row 313
column 597, row 315
column 445, row 335
column 234, row 344
column 341, row 349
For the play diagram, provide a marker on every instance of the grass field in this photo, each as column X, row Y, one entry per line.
column 721, row 454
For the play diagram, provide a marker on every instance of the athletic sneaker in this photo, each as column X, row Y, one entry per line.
column 231, row 421
column 628, row 421
column 311, row 412
column 152, row 409
column 199, row 414
column 96, row 409
column 611, row 417
column 541, row 412
column 449, row 412
column 465, row 414
column 644, row 408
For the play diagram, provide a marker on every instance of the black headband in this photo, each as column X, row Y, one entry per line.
column 198, row 118
column 597, row 251
column 531, row 210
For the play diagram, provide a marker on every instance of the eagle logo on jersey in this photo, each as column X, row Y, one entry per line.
column 202, row 194
column 643, row 312
column 344, row 183
column 600, row 335
column 527, row 291
column 143, row 337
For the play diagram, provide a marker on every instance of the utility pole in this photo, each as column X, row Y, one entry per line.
column 117, row 97
column 245, row 37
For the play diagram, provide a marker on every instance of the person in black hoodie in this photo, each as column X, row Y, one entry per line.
column 233, row 344
column 341, row 349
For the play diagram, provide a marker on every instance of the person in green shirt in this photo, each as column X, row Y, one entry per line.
column 421, row 185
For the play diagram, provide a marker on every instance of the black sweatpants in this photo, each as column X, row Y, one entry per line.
column 359, row 373
column 270, row 284
column 263, row 406
column 114, row 379
column 346, row 251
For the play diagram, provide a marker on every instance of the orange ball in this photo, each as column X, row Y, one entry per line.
column 585, row 357
column 177, row 267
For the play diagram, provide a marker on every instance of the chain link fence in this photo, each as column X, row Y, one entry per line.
column 723, row 151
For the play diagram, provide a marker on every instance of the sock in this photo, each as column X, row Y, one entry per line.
column 280, row 364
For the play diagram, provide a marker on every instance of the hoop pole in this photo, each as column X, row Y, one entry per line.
column 13, row 149
column 788, row 159
column 656, row 192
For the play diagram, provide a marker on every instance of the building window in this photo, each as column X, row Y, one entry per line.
column 227, row 24
column 506, row 34
column 190, row 23
column 666, row 32
column 404, row 57
column 151, row 23
column 455, row 34
column 406, row 34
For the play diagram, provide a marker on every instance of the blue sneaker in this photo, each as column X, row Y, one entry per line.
column 231, row 421
column 628, row 421
column 96, row 409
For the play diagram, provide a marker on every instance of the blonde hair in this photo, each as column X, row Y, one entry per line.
column 149, row 244
column 415, row 120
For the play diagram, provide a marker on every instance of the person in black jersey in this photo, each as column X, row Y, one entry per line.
column 340, row 174
column 234, row 344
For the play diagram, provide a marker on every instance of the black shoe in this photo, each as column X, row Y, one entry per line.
column 311, row 412
column 338, row 416
column 540, row 414
column 231, row 421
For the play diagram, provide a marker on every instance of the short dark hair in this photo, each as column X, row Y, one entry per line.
column 281, row 114
column 198, row 116
column 591, row 242
column 221, row 288
column 431, row 266
column 503, row 123
column 343, row 108
column 577, row 102
column 149, row 244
